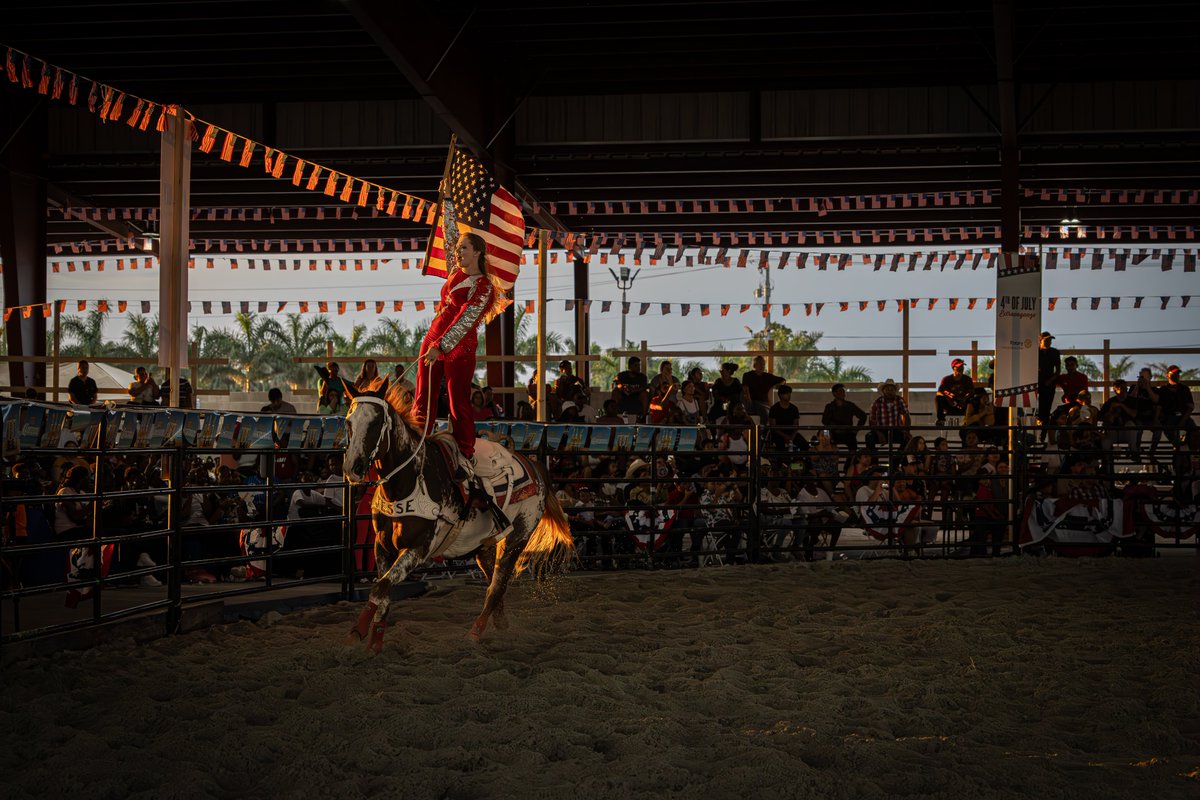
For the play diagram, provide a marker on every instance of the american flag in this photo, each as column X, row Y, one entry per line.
column 479, row 204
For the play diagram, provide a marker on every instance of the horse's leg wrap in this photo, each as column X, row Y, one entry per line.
column 363, row 626
column 377, row 629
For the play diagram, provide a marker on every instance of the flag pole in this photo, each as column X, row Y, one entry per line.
column 440, row 195
column 543, row 247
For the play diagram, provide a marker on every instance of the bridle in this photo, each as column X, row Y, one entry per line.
column 385, row 435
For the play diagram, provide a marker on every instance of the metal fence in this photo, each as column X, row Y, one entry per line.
column 193, row 519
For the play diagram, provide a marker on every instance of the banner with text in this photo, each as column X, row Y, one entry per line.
column 1018, row 323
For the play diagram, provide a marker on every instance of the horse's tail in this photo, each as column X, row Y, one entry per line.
column 550, row 546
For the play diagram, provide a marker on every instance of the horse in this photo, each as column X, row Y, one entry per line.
column 419, row 511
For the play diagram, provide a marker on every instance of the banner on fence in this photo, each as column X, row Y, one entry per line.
column 1018, row 323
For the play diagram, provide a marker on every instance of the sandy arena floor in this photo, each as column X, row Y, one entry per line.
column 1012, row 678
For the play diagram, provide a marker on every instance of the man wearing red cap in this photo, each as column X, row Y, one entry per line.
column 954, row 391
column 1175, row 405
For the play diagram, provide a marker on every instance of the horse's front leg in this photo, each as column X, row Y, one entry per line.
column 373, row 619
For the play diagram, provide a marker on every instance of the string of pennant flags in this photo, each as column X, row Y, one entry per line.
column 821, row 206
column 228, row 307
column 1069, row 258
column 111, row 105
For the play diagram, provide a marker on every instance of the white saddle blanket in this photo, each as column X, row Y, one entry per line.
column 498, row 468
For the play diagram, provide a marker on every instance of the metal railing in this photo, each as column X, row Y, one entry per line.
column 639, row 496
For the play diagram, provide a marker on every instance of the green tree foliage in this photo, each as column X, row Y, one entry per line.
column 84, row 336
column 832, row 369
column 299, row 336
column 791, row 368
column 214, row 345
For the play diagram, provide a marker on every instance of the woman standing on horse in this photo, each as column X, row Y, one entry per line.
column 469, row 297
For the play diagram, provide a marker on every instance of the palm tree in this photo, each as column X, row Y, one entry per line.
column 140, row 338
column 255, row 348
column 300, row 336
column 358, row 343
column 1121, row 368
column 527, row 342
column 84, row 336
column 832, row 370
column 213, row 344
column 1159, row 370
column 393, row 338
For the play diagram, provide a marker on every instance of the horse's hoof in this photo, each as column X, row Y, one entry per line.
column 363, row 626
column 377, row 630
column 476, row 632
column 500, row 620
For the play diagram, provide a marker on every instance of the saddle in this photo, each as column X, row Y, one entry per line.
column 507, row 477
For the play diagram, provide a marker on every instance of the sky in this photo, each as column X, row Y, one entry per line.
column 939, row 329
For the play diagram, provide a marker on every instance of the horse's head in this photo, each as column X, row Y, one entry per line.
column 375, row 426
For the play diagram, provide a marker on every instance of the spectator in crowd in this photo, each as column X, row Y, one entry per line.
column 696, row 377
column 489, row 400
column 479, row 407
column 331, row 403
column 631, row 390
column 609, row 415
column 719, row 518
column 144, row 389
column 1049, row 368
column 82, row 390
column 665, row 381
column 308, row 500
column 567, row 384
column 1072, row 382
column 817, row 515
column 967, row 463
column 584, row 404
column 73, row 518
column 1082, row 420
column 980, row 413
column 841, row 417
column 330, row 380
column 367, row 374
column 524, row 412
column 1145, row 399
column 990, row 525
column 690, row 405
column 276, row 404
column 1175, row 405
column 400, row 376
column 757, row 384
column 953, row 392
column 782, row 419
column 187, row 395
column 779, row 517
column 1118, row 416
column 725, row 389
column 888, row 418
column 823, row 459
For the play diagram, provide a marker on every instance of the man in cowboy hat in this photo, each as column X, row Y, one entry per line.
column 954, row 392
column 888, row 417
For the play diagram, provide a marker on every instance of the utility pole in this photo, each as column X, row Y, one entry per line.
column 624, row 283
column 764, row 292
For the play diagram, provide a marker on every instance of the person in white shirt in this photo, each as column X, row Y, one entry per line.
column 779, row 516
column 306, row 500
column 819, row 515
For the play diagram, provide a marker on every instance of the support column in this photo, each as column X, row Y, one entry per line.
column 174, row 212
column 23, row 228
column 583, row 333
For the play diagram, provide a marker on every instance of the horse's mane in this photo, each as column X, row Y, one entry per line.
column 399, row 398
